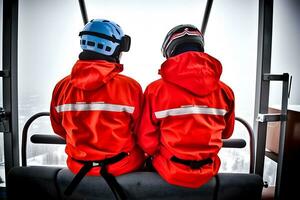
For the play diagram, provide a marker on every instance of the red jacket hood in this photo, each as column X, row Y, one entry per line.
column 197, row 72
column 90, row 75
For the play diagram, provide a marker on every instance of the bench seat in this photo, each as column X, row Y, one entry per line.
column 49, row 183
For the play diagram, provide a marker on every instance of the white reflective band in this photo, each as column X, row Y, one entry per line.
column 189, row 110
column 97, row 106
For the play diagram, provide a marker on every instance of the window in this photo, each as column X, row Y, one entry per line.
column 231, row 37
column 48, row 47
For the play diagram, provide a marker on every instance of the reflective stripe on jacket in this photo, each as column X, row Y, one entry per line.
column 186, row 114
column 96, row 110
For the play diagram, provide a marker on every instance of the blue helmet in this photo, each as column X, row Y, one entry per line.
column 104, row 37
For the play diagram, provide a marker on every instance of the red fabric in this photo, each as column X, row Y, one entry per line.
column 189, row 80
column 98, row 134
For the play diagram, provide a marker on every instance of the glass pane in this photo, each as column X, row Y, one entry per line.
column 48, row 47
column 231, row 37
column 286, row 48
column 147, row 23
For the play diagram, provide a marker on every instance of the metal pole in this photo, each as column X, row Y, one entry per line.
column 10, row 82
column 83, row 11
column 282, row 191
column 206, row 15
column 264, row 48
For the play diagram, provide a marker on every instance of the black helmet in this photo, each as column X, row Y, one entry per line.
column 181, row 34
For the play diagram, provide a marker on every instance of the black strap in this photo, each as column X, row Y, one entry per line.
column 100, row 35
column 109, row 178
column 76, row 180
column 111, row 181
column 194, row 164
column 113, row 184
column 113, row 159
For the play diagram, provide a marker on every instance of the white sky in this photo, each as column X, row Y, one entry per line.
column 49, row 42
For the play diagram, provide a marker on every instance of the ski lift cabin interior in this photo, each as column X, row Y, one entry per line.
column 45, row 182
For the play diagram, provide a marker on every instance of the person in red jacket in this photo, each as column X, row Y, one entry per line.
column 187, row 112
column 96, row 109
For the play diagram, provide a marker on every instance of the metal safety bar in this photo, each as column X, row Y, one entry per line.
column 54, row 139
column 47, row 139
column 25, row 134
column 251, row 141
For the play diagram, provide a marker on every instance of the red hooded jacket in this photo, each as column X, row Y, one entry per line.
column 96, row 110
column 186, row 114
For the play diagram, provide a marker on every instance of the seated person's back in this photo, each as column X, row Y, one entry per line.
column 187, row 112
column 95, row 108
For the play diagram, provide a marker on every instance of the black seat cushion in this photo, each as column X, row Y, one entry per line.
column 49, row 183
column 32, row 183
column 137, row 185
column 234, row 186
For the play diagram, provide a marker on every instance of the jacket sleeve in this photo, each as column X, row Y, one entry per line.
column 55, row 117
column 148, row 129
column 229, row 117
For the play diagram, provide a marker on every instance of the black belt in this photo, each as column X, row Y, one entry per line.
column 109, row 178
column 194, row 164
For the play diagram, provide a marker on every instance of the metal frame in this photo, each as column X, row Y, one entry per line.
column 263, row 78
column 262, row 87
column 25, row 133
column 281, row 176
column 83, row 11
column 251, row 142
column 206, row 16
column 10, row 82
